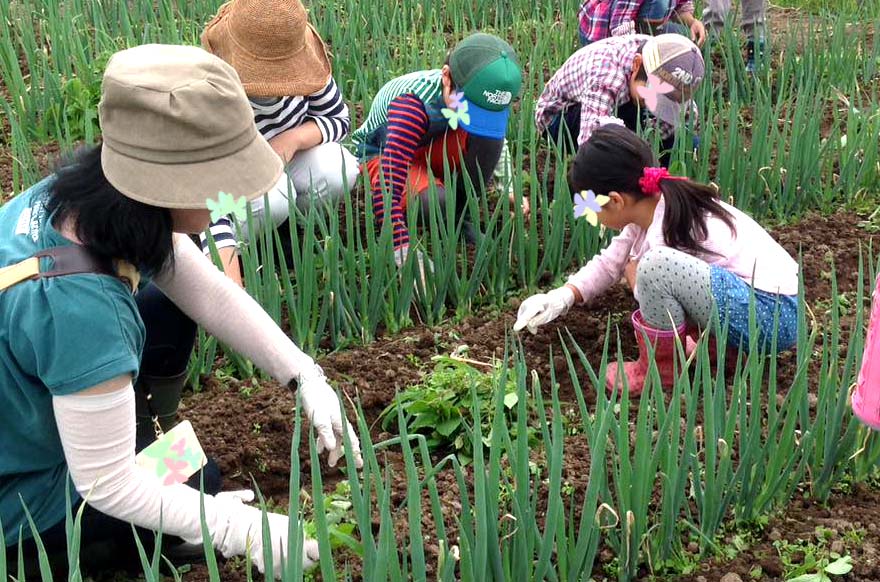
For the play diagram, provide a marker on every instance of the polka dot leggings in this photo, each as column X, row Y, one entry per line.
column 673, row 287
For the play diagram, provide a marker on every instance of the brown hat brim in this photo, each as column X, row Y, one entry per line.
column 302, row 73
column 249, row 172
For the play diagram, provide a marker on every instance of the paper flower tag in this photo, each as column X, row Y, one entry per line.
column 653, row 89
column 457, row 111
column 588, row 205
column 226, row 204
column 175, row 456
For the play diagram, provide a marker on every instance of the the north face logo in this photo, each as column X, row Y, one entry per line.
column 498, row 97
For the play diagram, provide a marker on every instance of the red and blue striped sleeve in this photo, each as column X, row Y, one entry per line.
column 407, row 125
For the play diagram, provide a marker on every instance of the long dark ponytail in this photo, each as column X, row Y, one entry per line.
column 614, row 160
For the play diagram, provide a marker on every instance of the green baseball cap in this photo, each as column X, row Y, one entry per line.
column 486, row 70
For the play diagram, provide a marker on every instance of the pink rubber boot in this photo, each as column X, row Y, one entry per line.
column 866, row 398
column 663, row 342
column 692, row 337
column 690, row 346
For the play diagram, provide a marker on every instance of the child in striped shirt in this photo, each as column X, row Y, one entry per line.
column 685, row 253
column 297, row 107
column 406, row 141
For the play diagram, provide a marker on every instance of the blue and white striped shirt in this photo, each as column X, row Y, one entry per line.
column 276, row 115
column 325, row 107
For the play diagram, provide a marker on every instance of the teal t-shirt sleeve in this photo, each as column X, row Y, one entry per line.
column 81, row 331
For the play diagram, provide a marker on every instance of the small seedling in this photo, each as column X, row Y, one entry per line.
column 807, row 561
column 840, row 566
column 855, row 536
column 341, row 519
column 440, row 406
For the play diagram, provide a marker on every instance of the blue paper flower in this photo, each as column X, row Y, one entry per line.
column 588, row 205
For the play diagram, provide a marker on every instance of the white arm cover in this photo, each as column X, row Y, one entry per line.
column 98, row 435
column 228, row 313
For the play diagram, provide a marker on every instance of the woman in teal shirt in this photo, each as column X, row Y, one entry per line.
column 177, row 129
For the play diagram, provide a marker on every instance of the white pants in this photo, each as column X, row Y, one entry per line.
column 752, row 15
column 320, row 175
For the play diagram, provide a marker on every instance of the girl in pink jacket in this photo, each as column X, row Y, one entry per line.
column 684, row 252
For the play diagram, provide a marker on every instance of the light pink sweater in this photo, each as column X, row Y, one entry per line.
column 750, row 250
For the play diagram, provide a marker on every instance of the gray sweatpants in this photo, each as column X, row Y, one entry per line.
column 674, row 287
column 752, row 14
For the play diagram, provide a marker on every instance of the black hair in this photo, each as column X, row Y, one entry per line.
column 447, row 63
column 108, row 223
column 614, row 159
column 642, row 75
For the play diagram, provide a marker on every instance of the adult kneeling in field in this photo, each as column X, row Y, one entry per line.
column 177, row 128
column 682, row 250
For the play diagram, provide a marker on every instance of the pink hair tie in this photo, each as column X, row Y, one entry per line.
column 650, row 180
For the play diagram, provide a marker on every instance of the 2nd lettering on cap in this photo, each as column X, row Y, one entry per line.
column 683, row 76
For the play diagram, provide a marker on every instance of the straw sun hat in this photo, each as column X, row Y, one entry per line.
column 271, row 45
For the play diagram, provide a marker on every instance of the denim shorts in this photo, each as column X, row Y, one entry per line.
column 651, row 10
column 654, row 10
column 733, row 298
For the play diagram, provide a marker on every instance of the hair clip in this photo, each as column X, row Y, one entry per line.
column 651, row 178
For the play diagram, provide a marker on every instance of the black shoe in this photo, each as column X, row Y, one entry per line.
column 470, row 233
column 184, row 553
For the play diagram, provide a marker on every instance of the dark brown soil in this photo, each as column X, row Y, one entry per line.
column 45, row 155
column 248, row 429
column 849, row 527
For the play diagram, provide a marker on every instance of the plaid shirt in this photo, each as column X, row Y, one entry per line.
column 597, row 76
column 603, row 18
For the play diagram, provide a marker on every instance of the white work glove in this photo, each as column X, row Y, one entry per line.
column 543, row 308
column 245, row 533
column 322, row 408
column 425, row 266
column 400, row 255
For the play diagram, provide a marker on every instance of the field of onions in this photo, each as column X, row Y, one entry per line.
column 495, row 456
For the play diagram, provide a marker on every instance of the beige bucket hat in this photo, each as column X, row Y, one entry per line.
column 272, row 46
column 178, row 128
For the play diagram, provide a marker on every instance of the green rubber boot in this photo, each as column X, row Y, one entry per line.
column 156, row 398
